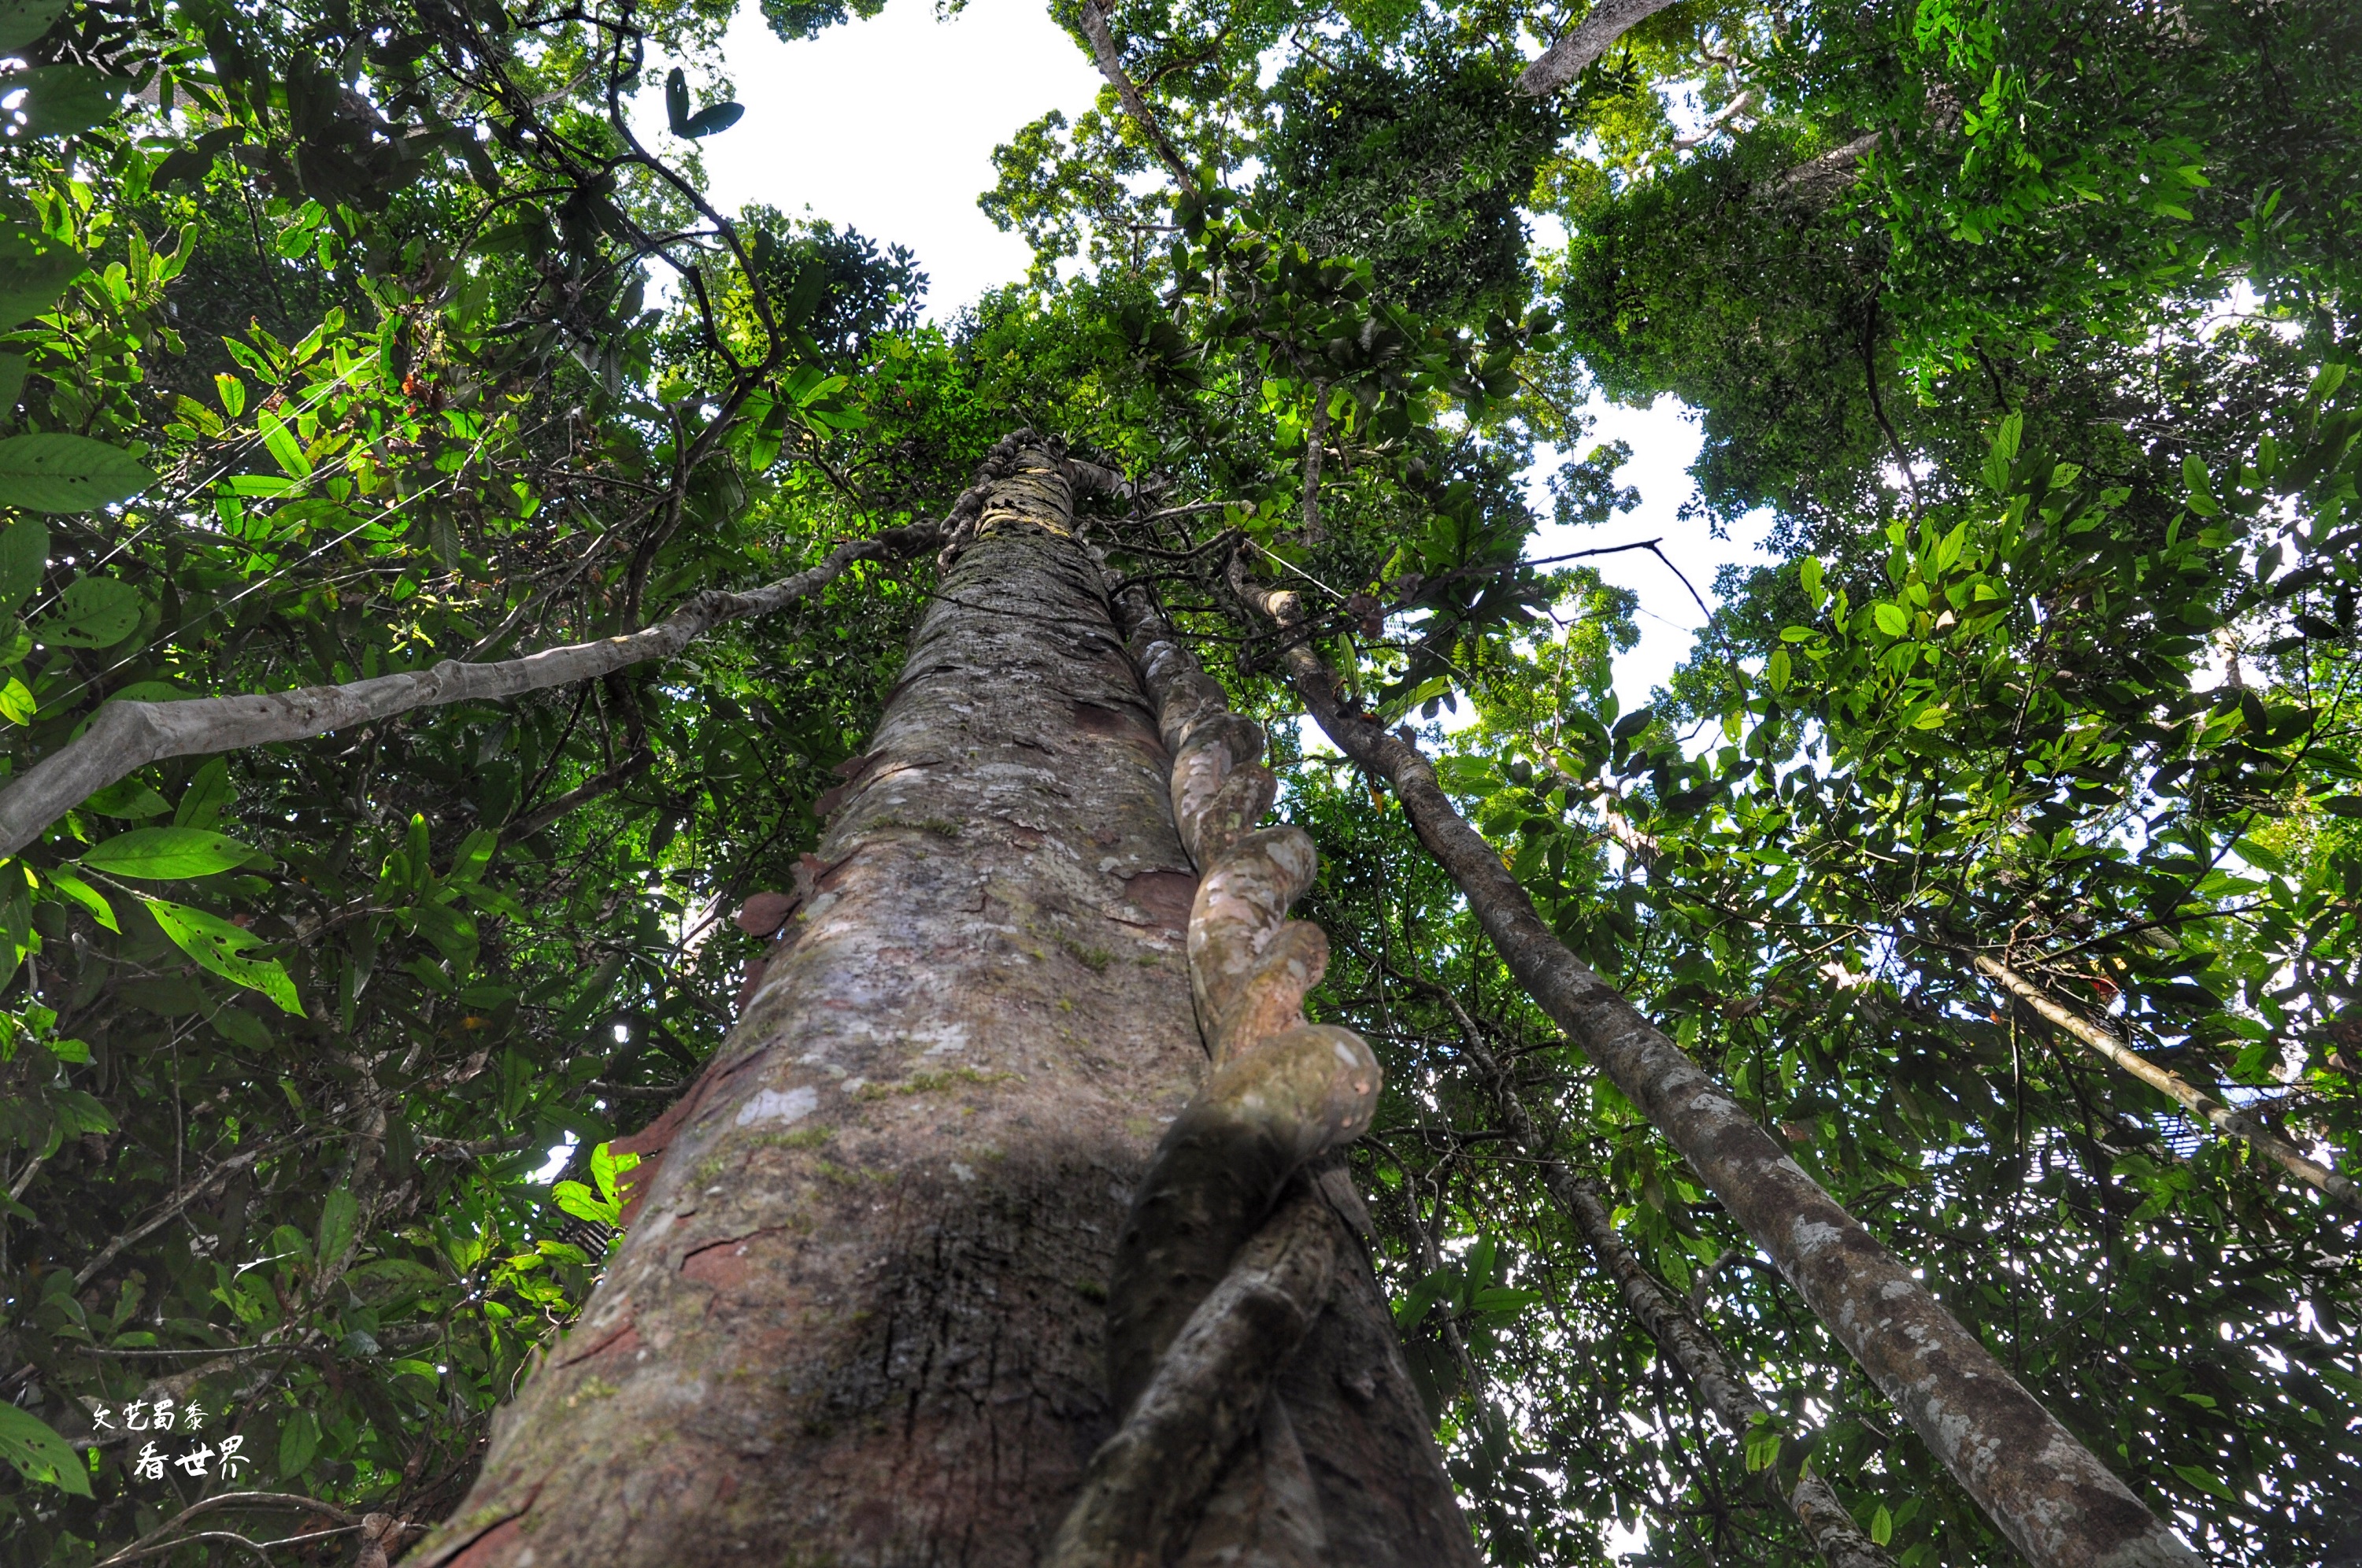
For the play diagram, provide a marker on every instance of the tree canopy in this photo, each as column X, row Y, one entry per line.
column 343, row 340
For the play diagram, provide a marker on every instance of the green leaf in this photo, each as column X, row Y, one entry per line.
column 450, row 930
column 127, row 798
column 240, row 1027
column 1891, row 619
column 23, row 22
column 219, row 947
column 1631, row 724
column 66, row 881
column 339, row 1218
column 1881, row 1527
column 2004, row 455
column 1808, row 574
column 286, row 450
column 38, row 1454
column 208, row 794
column 583, row 1204
column 93, row 612
column 24, row 556
column 232, row 393
column 64, row 99
column 2205, row 1482
column 384, row 1279
column 677, row 101
column 57, row 472
column 161, row 853
column 606, row 1166
column 712, row 118
column 13, row 368
column 33, row 273
column 16, row 702
column 299, row 1439
column 150, row 692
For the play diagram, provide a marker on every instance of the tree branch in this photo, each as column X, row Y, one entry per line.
column 2051, row 1496
column 590, row 789
column 154, row 1542
column 1110, row 62
column 2201, row 1105
column 125, row 736
column 1679, row 1335
column 1572, row 55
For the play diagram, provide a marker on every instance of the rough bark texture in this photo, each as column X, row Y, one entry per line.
column 858, row 1315
column 2048, row 1493
column 1241, row 1305
column 127, row 736
column 1586, row 41
column 2204, row 1107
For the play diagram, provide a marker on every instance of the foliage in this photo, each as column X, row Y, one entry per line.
column 344, row 340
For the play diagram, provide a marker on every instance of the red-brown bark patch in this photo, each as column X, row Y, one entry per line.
column 723, row 1265
column 492, row 1545
column 1165, row 896
column 763, row 914
column 620, row 1342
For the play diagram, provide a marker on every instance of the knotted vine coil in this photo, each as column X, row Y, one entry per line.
column 1228, row 1253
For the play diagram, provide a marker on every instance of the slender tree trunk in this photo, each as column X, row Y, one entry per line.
column 860, row 1313
column 1722, row 1387
column 2054, row 1499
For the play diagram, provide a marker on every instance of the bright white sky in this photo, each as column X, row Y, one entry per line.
column 887, row 126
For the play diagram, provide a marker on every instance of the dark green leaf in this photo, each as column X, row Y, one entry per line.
column 24, row 557
column 25, row 21
column 38, row 1454
column 58, row 473
column 93, row 612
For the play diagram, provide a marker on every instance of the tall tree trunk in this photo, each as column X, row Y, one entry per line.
column 2052, row 1497
column 858, row 1314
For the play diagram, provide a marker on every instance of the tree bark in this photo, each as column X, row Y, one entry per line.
column 1586, row 41
column 858, row 1315
column 2048, row 1493
column 2102, row 1043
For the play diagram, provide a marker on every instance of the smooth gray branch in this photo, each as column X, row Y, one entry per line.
column 1110, row 63
column 1591, row 37
column 125, row 736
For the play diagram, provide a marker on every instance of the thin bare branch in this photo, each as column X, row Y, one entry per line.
column 2201, row 1106
column 125, row 736
column 166, row 1536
